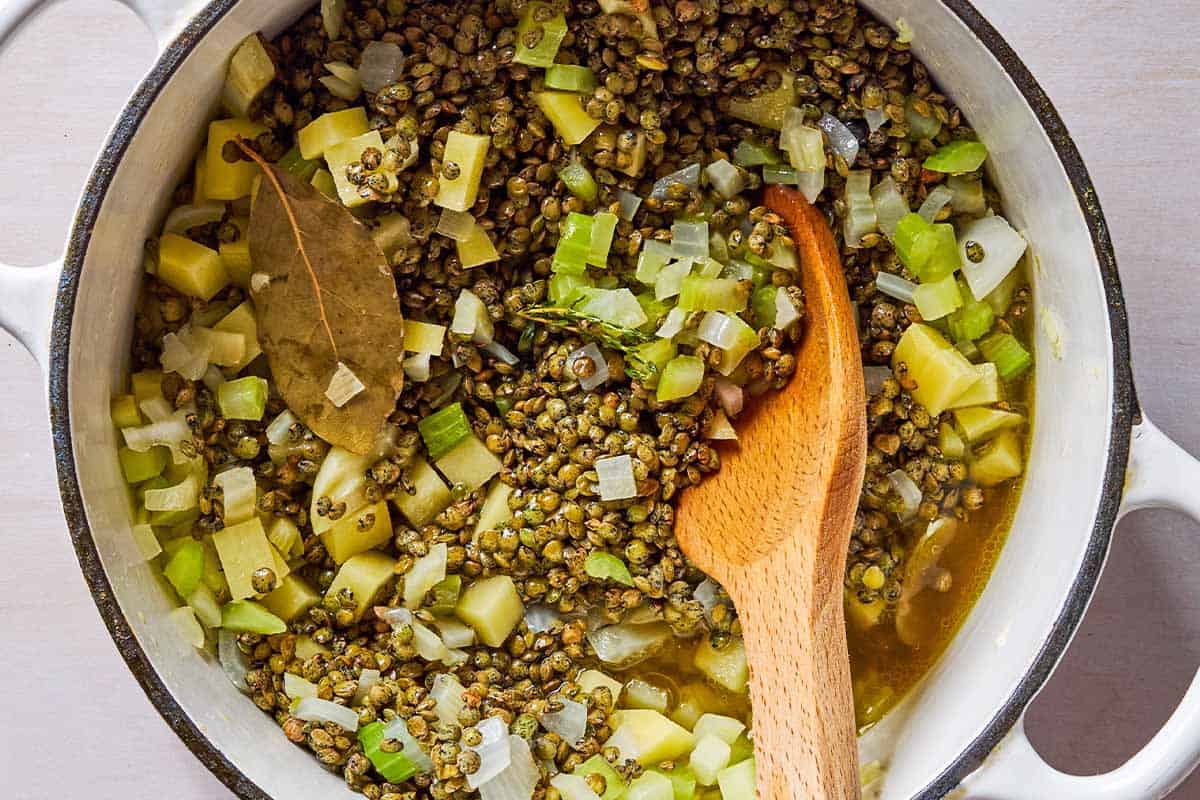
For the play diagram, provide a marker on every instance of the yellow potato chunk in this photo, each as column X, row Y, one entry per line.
column 294, row 597
column 431, row 495
column 190, row 268
column 468, row 152
column 244, row 321
column 329, row 129
column 359, row 532
column 366, row 575
column 492, row 607
column 224, row 180
column 243, row 548
column 340, row 156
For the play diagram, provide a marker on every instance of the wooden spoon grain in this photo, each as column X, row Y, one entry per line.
column 773, row 526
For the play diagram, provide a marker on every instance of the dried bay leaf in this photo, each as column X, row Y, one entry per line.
column 324, row 294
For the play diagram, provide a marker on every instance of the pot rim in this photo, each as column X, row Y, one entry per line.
column 1125, row 409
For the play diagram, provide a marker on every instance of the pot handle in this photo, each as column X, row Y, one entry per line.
column 27, row 293
column 1160, row 474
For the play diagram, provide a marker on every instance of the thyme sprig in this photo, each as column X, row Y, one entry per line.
column 625, row 341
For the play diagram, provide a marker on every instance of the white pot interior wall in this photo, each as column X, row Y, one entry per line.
column 999, row 640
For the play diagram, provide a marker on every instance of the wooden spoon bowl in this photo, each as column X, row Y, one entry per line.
column 773, row 526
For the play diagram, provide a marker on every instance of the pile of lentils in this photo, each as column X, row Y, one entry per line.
column 459, row 75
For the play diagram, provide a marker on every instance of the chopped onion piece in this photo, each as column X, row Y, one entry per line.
column 344, row 72
column 938, row 199
column 366, row 681
column 233, row 661
column 673, row 323
column 841, row 139
column 904, row 31
column 184, row 354
column 259, row 282
column 184, row 218
column 726, row 178
column 519, row 780
column 707, row 595
column 786, row 313
column 876, row 118
column 313, row 709
column 213, row 378
column 240, row 494
column 169, row 433
column 146, row 541
column 180, row 497
column 494, row 749
column 573, row 787
column 447, row 694
column 630, row 203
column 425, row 573
column 990, row 249
column 890, row 205
column 873, row 378
column 895, row 286
column 184, row 620
column 803, row 143
column 156, row 409
column 541, row 618
column 398, row 729
column 344, row 386
column 297, row 688
column 280, row 427
column 454, row 633
column 720, row 330
column 860, row 208
column 598, row 371
column 689, row 176
column 456, row 225
column 729, row 395
column 339, row 88
column 501, row 352
column 471, row 318
column 616, row 479
column 910, row 493
column 690, row 240
column 615, row 306
column 669, row 281
column 719, row 428
column 570, row 722
column 332, row 13
column 381, row 65
column 416, row 367
column 626, row 644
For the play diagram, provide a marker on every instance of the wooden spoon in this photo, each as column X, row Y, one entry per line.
column 773, row 526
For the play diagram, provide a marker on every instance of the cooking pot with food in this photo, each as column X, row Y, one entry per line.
column 1092, row 455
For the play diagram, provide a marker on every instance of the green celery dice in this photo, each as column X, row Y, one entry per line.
column 140, row 467
column 247, row 616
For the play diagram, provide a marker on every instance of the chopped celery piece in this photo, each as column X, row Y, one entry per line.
column 495, row 511
column 224, row 180
column 654, row 309
column 984, row 391
column 617, row 307
column 492, row 607
column 190, row 268
column 742, row 339
column 767, row 109
column 1003, row 350
column 341, row 155
column 957, row 157
column 930, row 251
column 657, row 354
column 579, row 181
column 205, row 606
column 183, row 620
column 606, row 566
column 430, row 494
column 1000, row 298
column 737, row 782
column 424, row 337
column 540, row 31
column 648, row 737
column 477, row 248
column 950, row 443
column 940, row 371
column 565, row 112
column 683, row 781
column 185, row 567
column 444, row 429
column 998, row 460
column 973, row 320
column 363, row 530
column 979, row 424
column 139, row 467
column 861, row 218
column 762, row 306
column 651, row 786
column 244, row 398
column 614, row 787
column 937, row 299
column 709, row 757
column 244, row 321
column 331, row 129
column 570, row 78
column 753, row 153
column 394, row 767
column 247, row 616
column 467, row 151
column 680, row 378
column 294, row 597
column 604, row 225
column 651, row 260
column 323, row 182
column 299, row 166
column 445, row 595
column 713, row 294
column 727, row 667
column 469, row 463
column 776, row 173
column 243, row 548
column 365, row 575
column 125, row 412
column 919, row 125
column 565, row 288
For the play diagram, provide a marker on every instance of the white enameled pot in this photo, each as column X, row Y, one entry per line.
column 1093, row 455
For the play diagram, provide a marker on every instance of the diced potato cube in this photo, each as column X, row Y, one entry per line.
column 294, row 597
column 648, row 737
column 495, row 511
column 592, row 679
column 431, row 494
column 340, row 156
column 469, row 463
column 343, row 479
column 190, row 268
column 236, row 254
column 651, row 786
column 244, row 321
column 726, row 667
column 146, row 385
column 359, row 532
column 477, row 249
column 737, row 782
column 984, row 391
column 224, row 180
column 565, row 111
column 979, row 424
column 424, row 337
column 998, row 460
column 709, row 757
column 941, row 372
column 366, row 575
column 469, row 152
column 330, row 129
column 243, row 548
column 250, row 71
column 643, row 694
column 727, row 729
column 492, row 607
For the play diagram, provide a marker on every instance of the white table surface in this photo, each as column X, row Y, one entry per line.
column 1125, row 75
